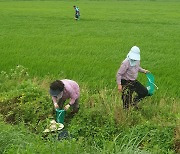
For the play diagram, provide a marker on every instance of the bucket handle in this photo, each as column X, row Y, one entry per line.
column 59, row 115
column 153, row 83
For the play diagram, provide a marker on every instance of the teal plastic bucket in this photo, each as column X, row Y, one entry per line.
column 150, row 83
column 60, row 115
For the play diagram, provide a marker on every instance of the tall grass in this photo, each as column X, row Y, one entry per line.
column 101, row 125
column 19, row 140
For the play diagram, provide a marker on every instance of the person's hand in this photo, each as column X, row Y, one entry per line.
column 119, row 87
column 56, row 106
column 146, row 71
column 67, row 107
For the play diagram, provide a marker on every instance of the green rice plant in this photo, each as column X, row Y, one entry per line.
column 43, row 36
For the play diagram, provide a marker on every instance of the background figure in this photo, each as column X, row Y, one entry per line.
column 126, row 79
column 61, row 90
column 77, row 13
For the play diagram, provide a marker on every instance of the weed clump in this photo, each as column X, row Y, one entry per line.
column 23, row 100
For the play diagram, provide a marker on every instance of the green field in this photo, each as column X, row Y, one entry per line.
column 43, row 37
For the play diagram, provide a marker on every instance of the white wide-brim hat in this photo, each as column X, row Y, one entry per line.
column 134, row 53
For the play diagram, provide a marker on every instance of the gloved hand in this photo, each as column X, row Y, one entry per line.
column 67, row 107
column 147, row 71
column 56, row 106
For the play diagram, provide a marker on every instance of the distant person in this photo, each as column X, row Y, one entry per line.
column 61, row 90
column 77, row 13
column 126, row 79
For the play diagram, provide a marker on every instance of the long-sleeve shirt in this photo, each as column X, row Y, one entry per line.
column 71, row 91
column 128, row 72
column 77, row 10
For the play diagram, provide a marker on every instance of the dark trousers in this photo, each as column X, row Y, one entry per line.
column 129, row 87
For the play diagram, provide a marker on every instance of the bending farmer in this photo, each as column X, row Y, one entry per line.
column 126, row 79
column 61, row 90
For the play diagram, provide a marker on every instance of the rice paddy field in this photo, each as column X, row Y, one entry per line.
column 43, row 37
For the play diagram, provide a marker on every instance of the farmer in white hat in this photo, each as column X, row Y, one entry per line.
column 126, row 79
column 61, row 90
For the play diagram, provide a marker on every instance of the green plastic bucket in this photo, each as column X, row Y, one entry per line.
column 150, row 83
column 60, row 115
